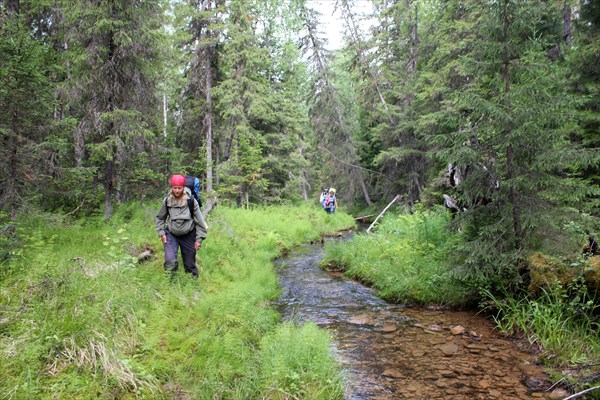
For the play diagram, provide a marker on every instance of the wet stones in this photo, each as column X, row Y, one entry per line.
column 389, row 328
column 448, row 349
column 392, row 373
column 457, row 330
column 402, row 352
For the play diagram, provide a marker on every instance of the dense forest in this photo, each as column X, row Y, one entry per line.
column 490, row 107
column 487, row 108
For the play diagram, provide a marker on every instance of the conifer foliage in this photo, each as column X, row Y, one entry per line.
column 513, row 117
column 26, row 104
column 493, row 104
column 114, row 53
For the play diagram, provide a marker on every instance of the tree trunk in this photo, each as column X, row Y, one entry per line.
column 11, row 189
column 211, row 199
column 510, row 162
column 567, row 23
column 414, row 32
column 108, row 188
column 109, row 178
column 165, row 111
column 79, row 143
column 363, row 186
column 13, row 6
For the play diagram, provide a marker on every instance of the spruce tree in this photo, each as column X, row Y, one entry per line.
column 113, row 70
column 508, row 130
column 26, row 105
column 332, row 121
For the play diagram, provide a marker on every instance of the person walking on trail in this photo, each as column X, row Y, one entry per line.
column 323, row 195
column 330, row 202
column 180, row 224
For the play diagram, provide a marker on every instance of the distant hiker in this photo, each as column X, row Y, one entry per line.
column 323, row 195
column 180, row 224
column 330, row 202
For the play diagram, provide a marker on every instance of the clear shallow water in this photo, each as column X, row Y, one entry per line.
column 391, row 351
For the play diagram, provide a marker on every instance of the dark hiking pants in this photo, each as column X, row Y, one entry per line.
column 188, row 252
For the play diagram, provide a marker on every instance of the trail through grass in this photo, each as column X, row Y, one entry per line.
column 80, row 319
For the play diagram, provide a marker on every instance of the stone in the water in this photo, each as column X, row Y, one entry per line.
column 418, row 353
column 448, row 349
column 457, row 330
column 392, row 373
column 361, row 319
column 435, row 328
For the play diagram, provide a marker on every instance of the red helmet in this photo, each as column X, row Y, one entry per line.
column 178, row 180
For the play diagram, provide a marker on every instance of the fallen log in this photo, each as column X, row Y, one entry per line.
column 383, row 212
column 364, row 218
column 146, row 254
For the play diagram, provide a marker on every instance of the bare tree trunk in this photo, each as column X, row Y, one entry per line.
column 11, row 189
column 363, row 186
column 510, row 162
column 395, row 199
column 165, row 111
column 567, row 23
column 13, row 6
column 303, row 181
column 109, row 178
column 108, row 188
column 414, row 48
column 79, row 143
column 208, row 122
column 211, row 199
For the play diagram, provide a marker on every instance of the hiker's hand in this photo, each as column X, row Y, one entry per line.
column 197, row 245
column 163, row 239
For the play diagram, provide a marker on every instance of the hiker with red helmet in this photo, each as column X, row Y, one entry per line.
column 180, row 224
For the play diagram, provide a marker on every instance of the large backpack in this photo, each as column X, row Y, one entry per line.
column 193, row 183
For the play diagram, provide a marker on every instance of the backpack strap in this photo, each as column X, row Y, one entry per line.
column 190, row 204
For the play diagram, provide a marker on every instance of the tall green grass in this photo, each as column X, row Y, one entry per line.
column 81, row 319
column 563, row 325
column 405, row 259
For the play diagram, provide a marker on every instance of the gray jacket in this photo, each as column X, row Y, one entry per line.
column 178, row 219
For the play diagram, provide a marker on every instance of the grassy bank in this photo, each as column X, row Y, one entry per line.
column 80, row 319
column 408, row 259
column 405, row 259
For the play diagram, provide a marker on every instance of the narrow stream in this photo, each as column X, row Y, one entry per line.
column 394, row 352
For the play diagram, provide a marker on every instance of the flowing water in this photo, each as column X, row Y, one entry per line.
column 391, row 351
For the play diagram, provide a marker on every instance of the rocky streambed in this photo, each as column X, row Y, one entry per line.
column 395, row 352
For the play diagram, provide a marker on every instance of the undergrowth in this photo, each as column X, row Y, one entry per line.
column 563, row 323
column 82, row 319
column 405, row 259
